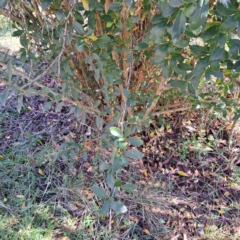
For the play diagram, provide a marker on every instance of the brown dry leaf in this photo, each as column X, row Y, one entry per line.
column 146, row 232
column 90, row 169
column 106, row 6
column 133, row 218
column 87, row 145
column 226, row 193
column 229, row 126
column 152, row 134
column 87, row 165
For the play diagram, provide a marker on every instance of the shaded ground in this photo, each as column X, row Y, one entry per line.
column 7, row 42
column 188, row 182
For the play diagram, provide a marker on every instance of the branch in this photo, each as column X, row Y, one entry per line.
column 43, row 73
column 19, row 73
column 154, row 103
column 172, row 111
column 7, row 14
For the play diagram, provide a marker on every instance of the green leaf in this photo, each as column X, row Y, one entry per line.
column 156, row 33
column 222, row 40
column 110, row 179
column 199, row 17
column 198, row 50
column 179, row 26
column 107, row 18
column 47, row 105
column 118, row 207
column 185, row 66
column 178, row 84
column 226, row 10
column 9, row 70
column 45, row 4
column 23, row 40
column 210, row 32
column 59, row 107
column 189, row 10
column 236, row 117
column 175, row 3
column 60, row 15
column 20, row 103
column 3, row 3
column 134, row 154
column 115, row 6
column 17, row 33
column 118, row 182
column 228, row 25
column 127, row 132
column 165, row 68
column 141, row 46
column 99, row 122
column 129, row 187
column 105, row 207
column 116, row 132
column 157, row 18
column 129, row 2
column 191, row 89
column 214, row 65
column 182, row 43
column 168, row 11
column 104, row 166
column 196, row 80
column 217, row 53
column 135, row 141
column 122, row 146
column 201, row 66
column 117, row 164
column 99, row 192
column 78, row 27
column 4, row 96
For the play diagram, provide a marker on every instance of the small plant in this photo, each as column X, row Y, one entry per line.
column 118, row 160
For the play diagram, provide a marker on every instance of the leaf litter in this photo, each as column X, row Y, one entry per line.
column 186, row 182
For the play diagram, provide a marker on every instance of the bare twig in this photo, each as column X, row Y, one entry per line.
column 154, row 103
column 43, row 73
column 172, row 110
column 11, row 16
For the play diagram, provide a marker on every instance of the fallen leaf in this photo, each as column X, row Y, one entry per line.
column 229, row 126
column 221, row 211
column 40, row 171
column 183, row 174
column 146, row 232
column 226, row 193
column 87, row 145
column 145, row 173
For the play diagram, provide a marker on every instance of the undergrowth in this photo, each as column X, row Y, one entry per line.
column 187, row 185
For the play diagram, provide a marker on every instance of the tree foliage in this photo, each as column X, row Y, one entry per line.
column 116, row 59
